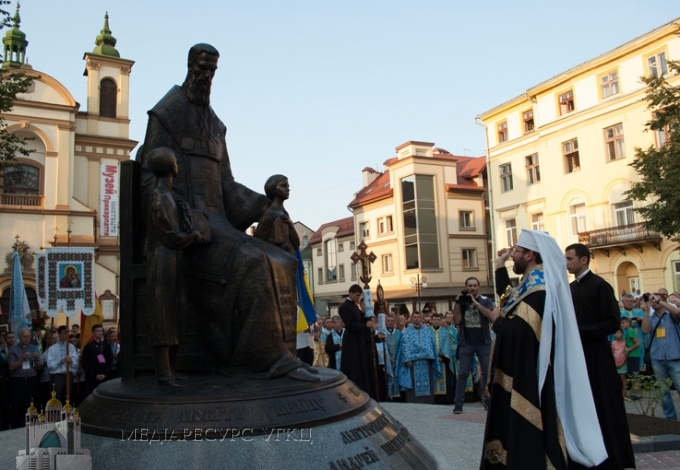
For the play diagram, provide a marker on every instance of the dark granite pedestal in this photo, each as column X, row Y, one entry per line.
column 221, row 422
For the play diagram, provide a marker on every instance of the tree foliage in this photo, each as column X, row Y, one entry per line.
column 659, row 166
column 12, row 82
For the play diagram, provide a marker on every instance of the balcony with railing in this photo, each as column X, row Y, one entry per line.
column 621, row 237
column 29, row 201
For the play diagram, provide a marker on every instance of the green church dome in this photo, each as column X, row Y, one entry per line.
column 105, row 41
column 14, row 44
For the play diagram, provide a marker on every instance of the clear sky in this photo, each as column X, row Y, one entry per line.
column 319, row 89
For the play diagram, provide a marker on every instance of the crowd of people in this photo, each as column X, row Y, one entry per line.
column 555, row 403
column 34, row 366
column 421, row 357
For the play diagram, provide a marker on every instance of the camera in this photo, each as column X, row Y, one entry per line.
column 465, row 298
column 645, row 297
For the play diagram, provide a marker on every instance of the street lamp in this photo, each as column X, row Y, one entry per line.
column 418, row 284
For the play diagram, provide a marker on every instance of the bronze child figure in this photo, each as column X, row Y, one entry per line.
column 275, row 225
column 165, row 242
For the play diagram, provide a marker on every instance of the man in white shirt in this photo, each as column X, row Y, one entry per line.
column 57, row 359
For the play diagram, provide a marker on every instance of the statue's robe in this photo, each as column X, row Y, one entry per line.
column 417, row 347
column 522, row 429
column 598, row 315
column 241, row 288
column 443, row 387
column 392, row 340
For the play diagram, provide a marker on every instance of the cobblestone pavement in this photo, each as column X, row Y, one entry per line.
column 455, row 440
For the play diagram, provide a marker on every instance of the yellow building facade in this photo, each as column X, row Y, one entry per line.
column 66, row 191
column 559, row 160
column 424, row 218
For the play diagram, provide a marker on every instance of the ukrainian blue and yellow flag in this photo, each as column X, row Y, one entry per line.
column 306, row 312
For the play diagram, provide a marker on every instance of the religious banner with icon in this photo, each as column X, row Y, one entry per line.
column 66, row 281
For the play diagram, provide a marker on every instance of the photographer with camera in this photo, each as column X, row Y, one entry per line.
column 472, row 316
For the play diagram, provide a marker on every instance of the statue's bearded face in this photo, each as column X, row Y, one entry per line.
column 199, row 79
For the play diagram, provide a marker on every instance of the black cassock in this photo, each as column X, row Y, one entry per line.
column 598, row 315
column 355, row 361
column 521, row 434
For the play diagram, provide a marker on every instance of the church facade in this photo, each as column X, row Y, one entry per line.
column 65, row 193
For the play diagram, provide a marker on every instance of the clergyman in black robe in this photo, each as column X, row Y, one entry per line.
column 598, row 315
column 541, row 413
column 355, row 361
column 521, row 432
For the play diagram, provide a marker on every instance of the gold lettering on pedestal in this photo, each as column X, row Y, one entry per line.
column 301, row 405
column 212, row 414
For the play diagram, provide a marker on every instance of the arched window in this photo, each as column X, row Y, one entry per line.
column 21, row 179
column 21, row 186
column 108, row 96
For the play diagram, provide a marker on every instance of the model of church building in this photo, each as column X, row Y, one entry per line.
column 53, row 439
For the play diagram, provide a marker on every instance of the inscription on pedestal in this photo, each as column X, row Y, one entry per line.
column 300, row 405
column 214, row 414
column 357, row 461
column 366, row 430
column 392, row 446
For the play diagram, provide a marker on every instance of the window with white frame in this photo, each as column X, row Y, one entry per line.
column 363, row 230
column 502, row 132
column 510, row 232
column 469, row 256
column 533, row 171
column 566, row 100
column 341, row 272
column 341, row 247
column 537, row 222
column 656, row 65
column 528, row 118
column 385, row 224
column 676, row 275
column 613, row 139
column 506, row 177
column 609, row 84
column 466, row 219
column 572, row 162
column 320, row 276
column 624, row 213
column 305, row 240
column 331, row 260
column 578, row 216
column 386, row 264
column 318, row 252
column 352, row 245
column 662, row 134
column 353, row 271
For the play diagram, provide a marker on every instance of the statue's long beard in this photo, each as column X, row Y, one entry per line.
column 198, row 92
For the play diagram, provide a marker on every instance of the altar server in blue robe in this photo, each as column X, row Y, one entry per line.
column 417, row 364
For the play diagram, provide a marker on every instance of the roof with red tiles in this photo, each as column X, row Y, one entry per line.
column 467, row 168
column 375, row 191
column 345, row 228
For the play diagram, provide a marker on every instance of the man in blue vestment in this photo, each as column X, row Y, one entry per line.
column 417, row 364
column 392, row 340
column 443, row 387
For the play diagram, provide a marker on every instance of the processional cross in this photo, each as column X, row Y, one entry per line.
column 366, row 260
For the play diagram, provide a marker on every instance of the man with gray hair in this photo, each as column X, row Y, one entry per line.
column 24, row 360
